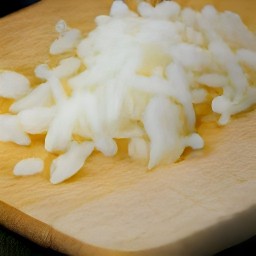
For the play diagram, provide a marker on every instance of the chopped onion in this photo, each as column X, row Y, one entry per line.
column 29, row 166
column 36, row 120
column 138, row 76
column 164, row 10
column 247, row 57
column 71, row 162
column 138, row 148
column 119, row 10
column 67, row 41
column 39, row 97
column 13, row 85
column 11, row 130
column 213, row 80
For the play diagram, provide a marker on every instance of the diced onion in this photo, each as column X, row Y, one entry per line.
column 68, row 164
column 136, row 76
column 29, row 166
column 67, row 41
column 13, row 85
column 12, row 131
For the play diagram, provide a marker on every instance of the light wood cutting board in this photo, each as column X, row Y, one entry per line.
column 114, row 206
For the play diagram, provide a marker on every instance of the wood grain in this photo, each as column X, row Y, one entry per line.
column 114, row 206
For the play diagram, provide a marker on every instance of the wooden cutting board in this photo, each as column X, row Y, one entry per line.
column 114, row 206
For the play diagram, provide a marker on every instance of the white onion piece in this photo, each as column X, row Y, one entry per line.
column 29, row 166
column 68, row 164
column 198, row 96
column 67, row 41
column 41, row 96
column 189, row 17
column 213, row 80
column 247, row 57
column 53, row 78
column 82, row 126
column 11, row 130
column 206, row 22
column 168, row 10
column 165, row 10
column 67, row 67
column 60, row 130
column 36, row 120
column 162, row 116
column 154, row 85
column 13, row 85
column 58, row 92
column 177, row 76
column 130, row 132
column 138, row 148
column 226, row 107
column 106, row 145
column 235, row 32
column 42, row 71
column 191, row 57
column 226, row 59
column 194, row 37
column 145, row 10
column 135, row 105
column 102, row 19
column 96, row 118
column 119, row 10
column 195, row 141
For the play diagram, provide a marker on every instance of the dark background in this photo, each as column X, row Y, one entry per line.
column 12, row 244
column 9, row 6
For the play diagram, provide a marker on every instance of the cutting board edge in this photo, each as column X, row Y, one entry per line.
column 35, row 230
column 48, row 237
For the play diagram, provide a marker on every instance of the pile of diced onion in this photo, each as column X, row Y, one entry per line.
column 137, row 76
